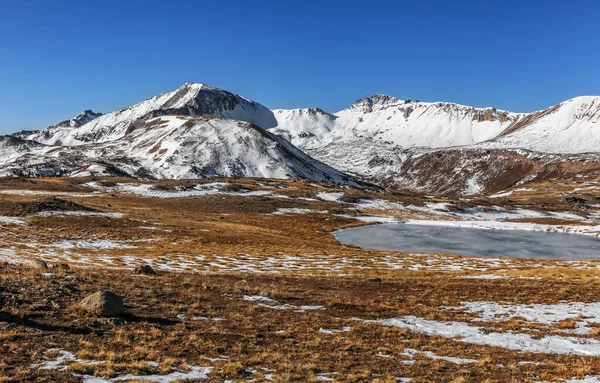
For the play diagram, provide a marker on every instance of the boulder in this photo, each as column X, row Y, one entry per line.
column 103, row 303
column 145, row 270
column 39, row 264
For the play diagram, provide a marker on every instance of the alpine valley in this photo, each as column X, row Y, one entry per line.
column 437, row 148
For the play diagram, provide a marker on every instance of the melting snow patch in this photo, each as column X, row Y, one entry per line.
column 79, row 214
column 146, row 190
column 62, row 361
column 274, row 305
column 587, row 379
column 282, row 211
column 66, row 358
column 486, row 276
column 103, row 244
column 334, row 331
column 194, row 373
column 464, row 332
column 333, row 197
column 11, row 221
column 257, row 298
column 411, row 353
column 582, row 313
column 298, row 309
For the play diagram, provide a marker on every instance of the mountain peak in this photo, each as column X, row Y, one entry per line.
column 375, row 102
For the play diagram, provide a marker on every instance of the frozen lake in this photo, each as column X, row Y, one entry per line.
column 467, row 241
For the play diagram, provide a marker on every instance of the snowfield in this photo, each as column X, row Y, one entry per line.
column 467, row 333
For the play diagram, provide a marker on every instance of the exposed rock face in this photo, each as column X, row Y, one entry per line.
column 456, row 172
column 103, row 303
column 373, row 103
column 490, row 114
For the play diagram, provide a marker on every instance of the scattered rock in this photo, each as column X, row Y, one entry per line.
column 145, row 270
column 103, row 303
column 39, row 264
column 62, row 266
column 576, row 201
column 39, row 306
column 108, row 322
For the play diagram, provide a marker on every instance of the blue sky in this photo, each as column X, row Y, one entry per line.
column 61, row 57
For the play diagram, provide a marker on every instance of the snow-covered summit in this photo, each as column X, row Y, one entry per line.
column 190, row 99
column 572, row 126
column 394, row 122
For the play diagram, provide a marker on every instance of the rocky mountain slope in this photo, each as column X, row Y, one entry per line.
column 75, row 122
column 437, row 148
column 174, row 147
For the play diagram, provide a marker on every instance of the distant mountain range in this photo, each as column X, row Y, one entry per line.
column 198, row 130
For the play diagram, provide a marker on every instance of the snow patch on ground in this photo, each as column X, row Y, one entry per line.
column 65, row 358
column 548, row 314
column 273, row 304
column 411, row 353
column 467, row 333
column 11, row 221
column 195, row 373
column 79, row 214
column 147, row 190
column 283, row 210
column 329, row 196
column 62, row 361
column 334, row 331
column 102, row 244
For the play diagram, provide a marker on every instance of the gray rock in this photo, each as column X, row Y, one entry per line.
column 103, row 303
column 39, row 264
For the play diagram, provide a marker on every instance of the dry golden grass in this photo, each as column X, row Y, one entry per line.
column 290, row 258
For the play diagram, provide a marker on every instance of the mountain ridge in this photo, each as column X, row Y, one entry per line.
column 380, row 139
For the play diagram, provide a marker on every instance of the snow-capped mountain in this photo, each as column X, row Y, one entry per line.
column 446, row 148
column 176, row 147
column 394, row 122
column 572, row 126
column 189, row 99
column 434, row 147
